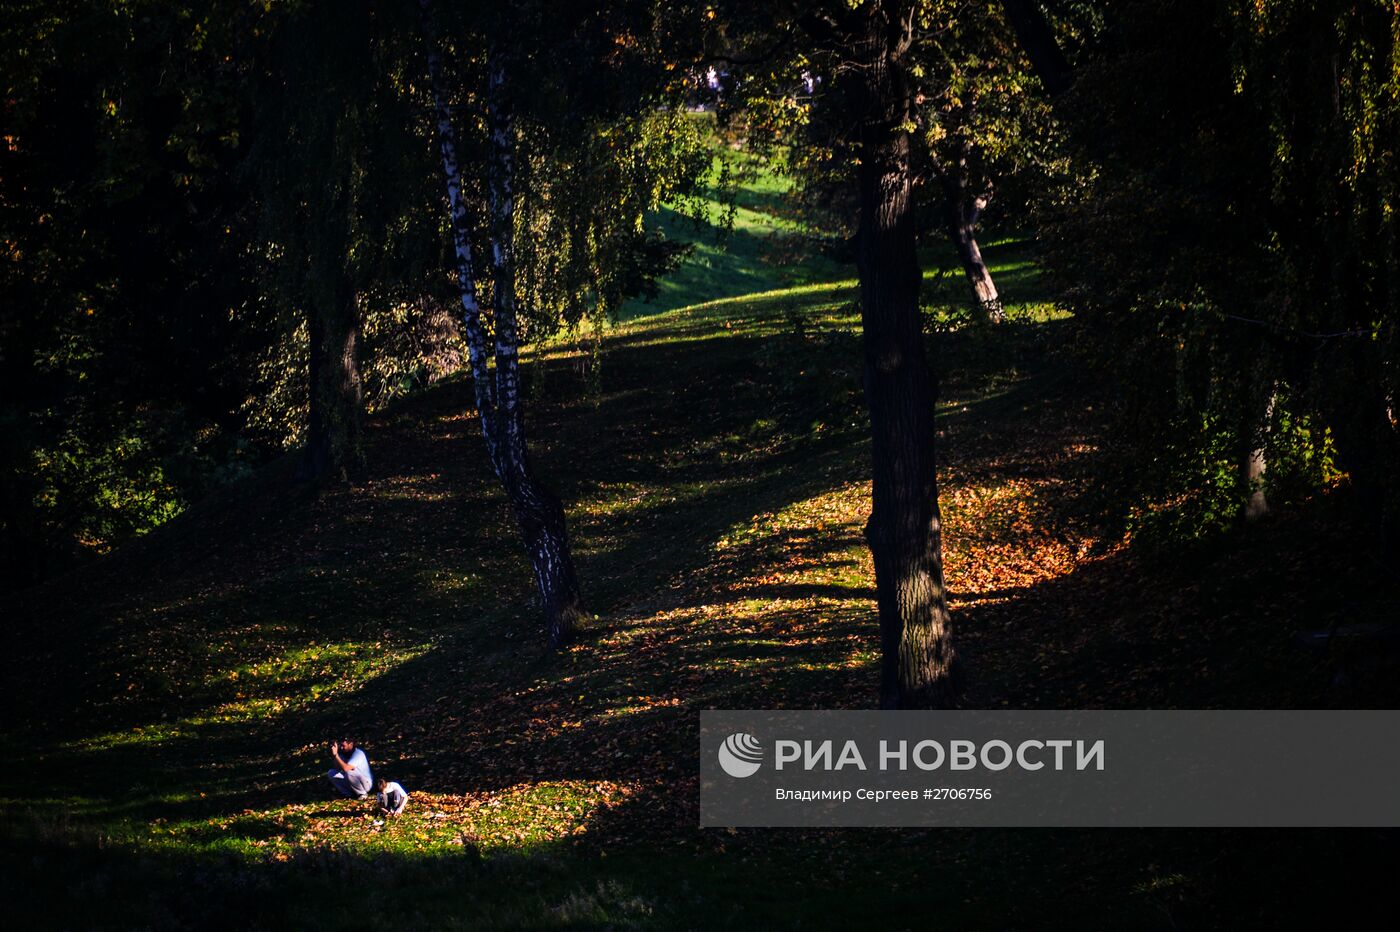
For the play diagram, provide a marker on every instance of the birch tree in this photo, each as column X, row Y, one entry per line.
column 604, row 249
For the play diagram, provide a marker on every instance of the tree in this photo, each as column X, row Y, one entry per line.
column 121, row 211
column 1323, row 82
column 904, row 530
column 345, row 202
column 603, row 252
column 1151, row 241
column 310, row 137
column 866, row 117
column 983, row 126
column 912, row 91
column 498, row 401
column 1227, row 246
column 981, row 123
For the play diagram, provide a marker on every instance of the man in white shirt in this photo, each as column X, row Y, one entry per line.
column 351, row 775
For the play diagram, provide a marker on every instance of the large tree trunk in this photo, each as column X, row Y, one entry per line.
column 961, row 211
column 334, row 448
column 538, row 511
column 903, row 530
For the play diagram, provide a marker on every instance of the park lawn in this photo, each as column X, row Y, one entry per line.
column 170, row 705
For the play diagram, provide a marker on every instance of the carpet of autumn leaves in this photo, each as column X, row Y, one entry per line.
column 179, row 696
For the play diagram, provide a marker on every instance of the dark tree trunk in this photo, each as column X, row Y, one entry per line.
column 334, row 448
column 903, row 530
column 961, row 210
column 540, row 515
column 1037, row 39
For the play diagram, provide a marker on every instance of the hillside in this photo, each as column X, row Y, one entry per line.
column 173, row 702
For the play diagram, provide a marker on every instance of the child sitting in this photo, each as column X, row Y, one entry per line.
column 392, row 798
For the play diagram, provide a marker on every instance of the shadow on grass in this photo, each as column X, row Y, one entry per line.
column 985, row 879
column 689, row 476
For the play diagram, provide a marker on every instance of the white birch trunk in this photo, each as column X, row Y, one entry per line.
column 461, row 238
column 501, row 202
column 538, row 511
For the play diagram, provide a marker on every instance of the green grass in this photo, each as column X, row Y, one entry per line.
column 757, row 242
column 751, row 244
column 165, row 747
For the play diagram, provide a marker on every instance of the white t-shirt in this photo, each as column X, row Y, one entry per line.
column 359, row 776
column 393, row 798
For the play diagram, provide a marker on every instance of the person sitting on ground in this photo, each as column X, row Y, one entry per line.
column 351, row 774
column 392, row 797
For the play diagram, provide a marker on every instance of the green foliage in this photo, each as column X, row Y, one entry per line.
column 181, row 187
column 1302, row 455
column 118, row 207
column 583, row 240
column 1197, row 480
column 981, row 111
column 113, row 484
column 1225, row 237
column 1324, row 81
column 407, row 347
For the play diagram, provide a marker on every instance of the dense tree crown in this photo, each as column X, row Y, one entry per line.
column 1228, row 239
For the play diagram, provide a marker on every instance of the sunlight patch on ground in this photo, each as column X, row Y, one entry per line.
column 258, row 691
column 997, row 537
column 516, row 817
column 428, row 487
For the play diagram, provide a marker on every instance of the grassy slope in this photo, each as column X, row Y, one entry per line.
column 171, row 704
column 750, row 247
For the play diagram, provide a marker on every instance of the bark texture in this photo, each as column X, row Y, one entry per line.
column 961, row 210
column 334, row 448
column 539, row 512
column 903, row 531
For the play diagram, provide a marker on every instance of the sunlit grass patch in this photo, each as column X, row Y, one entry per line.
column 624, row 501
column 516, row 818
column 425, row 488
column 250, row 692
